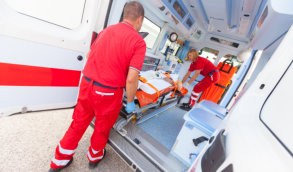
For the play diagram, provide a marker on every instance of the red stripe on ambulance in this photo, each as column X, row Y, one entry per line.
column 24, row 75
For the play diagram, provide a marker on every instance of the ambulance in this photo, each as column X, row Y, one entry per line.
column 242, row 124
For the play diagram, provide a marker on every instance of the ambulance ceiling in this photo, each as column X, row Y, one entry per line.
column 234, row 19
column 229, row 18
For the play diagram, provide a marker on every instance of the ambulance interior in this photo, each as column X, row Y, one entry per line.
column 238, row 36
column 231, row 34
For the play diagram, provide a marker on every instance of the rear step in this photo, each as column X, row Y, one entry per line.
column 132, row 156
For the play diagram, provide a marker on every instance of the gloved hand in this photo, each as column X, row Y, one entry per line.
column 186, row 85
column 130, row 107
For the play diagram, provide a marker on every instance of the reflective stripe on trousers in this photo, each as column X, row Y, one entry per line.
column 94, row 156
column 193, row 98
column 62, row 157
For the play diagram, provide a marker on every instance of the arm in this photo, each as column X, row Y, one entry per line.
column 135, row 66
column 131, row 84
column 197, row 72
column 134, row 69
column 186, row 76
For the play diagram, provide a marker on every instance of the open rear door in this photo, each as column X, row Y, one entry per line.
column 43, row 47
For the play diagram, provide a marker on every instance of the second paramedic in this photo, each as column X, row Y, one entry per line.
column 114, row 62
column 202, row 66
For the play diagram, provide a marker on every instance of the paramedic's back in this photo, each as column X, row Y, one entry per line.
column 116, row 48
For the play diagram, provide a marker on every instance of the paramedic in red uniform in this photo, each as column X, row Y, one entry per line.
column 114, row 63
column 201, row 66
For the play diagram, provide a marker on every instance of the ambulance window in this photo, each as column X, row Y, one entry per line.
column 152, row 29
column 65, row 13
column 224, row 42
column 209, row 53
column 276, row 113
column 236, row 63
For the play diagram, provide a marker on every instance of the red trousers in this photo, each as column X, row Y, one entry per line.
column 203, row 85
column 93, row 101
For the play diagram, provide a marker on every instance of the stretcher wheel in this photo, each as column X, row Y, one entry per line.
column 120, row 124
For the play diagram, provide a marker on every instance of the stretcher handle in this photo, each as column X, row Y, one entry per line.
column 228, row 62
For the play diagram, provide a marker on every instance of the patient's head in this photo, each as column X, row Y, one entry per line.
column 192, row 55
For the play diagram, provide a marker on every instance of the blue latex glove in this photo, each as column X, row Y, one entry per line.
column 130, row 107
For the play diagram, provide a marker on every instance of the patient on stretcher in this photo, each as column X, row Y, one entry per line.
column 154, row 84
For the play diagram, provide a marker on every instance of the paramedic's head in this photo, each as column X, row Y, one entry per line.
column 134, row 13
column 192, row 55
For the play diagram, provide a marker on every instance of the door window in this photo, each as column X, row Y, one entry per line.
column 152, row 29
column 65, row 13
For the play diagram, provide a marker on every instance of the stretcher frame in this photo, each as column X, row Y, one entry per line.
column 140, row 115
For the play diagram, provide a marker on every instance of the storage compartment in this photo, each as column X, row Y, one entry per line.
column 184, row 149
column 199, row 125
column 205, row 120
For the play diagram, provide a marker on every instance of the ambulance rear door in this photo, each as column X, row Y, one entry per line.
column 43, row 47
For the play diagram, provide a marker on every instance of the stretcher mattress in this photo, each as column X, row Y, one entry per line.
column 146, row 94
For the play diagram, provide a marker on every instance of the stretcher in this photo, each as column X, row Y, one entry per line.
column 157, row 91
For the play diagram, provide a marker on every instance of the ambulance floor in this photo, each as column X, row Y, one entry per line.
column 165, row 126
column 28, row 143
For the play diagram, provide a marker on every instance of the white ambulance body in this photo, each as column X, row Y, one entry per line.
column 43, row 47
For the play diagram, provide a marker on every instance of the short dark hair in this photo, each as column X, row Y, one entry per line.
column 133, row 10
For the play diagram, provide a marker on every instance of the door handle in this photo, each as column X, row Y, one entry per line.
column 79, row 58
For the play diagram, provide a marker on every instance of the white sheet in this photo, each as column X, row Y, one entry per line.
column 160, row 84
column 155, row 78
